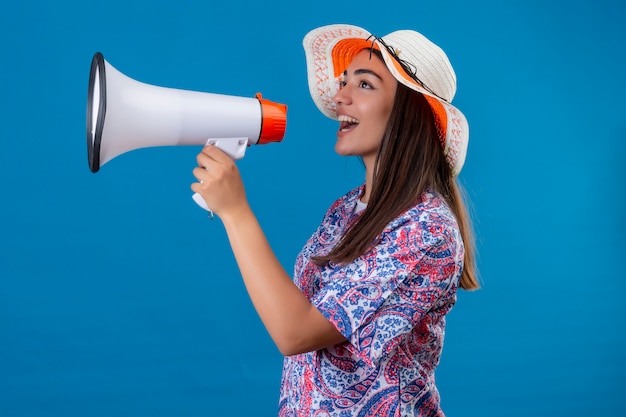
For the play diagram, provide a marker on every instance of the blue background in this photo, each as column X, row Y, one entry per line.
column 119, row 298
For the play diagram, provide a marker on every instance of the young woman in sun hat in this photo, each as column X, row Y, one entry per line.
column 362, row 322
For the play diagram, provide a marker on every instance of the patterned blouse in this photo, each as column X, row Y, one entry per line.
column 390, row 304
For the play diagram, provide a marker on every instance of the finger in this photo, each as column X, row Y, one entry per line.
column 201, row 174
column 215, row 153
column 197, row 187
column 205, row 160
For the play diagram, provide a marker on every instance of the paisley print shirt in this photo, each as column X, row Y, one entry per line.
column 390, row 304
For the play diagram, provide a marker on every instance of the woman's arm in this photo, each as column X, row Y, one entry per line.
column 294, row 324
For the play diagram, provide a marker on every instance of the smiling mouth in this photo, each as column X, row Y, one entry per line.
column 346, row 123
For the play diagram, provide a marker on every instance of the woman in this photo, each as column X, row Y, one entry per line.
column 362, row 323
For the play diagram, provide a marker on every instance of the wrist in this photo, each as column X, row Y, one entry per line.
column 237, row 216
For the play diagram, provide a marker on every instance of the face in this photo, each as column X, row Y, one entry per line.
column 364, row 104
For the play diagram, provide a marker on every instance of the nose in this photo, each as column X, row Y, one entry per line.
column 343, row 95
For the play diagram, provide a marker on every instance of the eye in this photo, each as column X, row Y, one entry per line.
column 364, row 84
column 340, row 82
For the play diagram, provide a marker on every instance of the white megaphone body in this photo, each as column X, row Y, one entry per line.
column 124, row 114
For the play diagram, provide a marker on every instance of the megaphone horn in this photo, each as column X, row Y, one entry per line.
column 124, row 114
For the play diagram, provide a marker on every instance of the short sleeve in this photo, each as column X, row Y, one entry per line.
column 380, row 297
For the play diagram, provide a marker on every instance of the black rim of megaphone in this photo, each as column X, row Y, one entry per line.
column 94, row 141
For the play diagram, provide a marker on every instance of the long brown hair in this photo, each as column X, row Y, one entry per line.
column 409, row 160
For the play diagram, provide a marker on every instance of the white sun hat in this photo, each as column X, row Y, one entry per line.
column 411, row 58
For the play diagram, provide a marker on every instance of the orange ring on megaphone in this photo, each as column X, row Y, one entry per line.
column 274, row 121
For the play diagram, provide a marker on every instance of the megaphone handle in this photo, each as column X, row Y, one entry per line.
column 233, row 147
column 200, row 201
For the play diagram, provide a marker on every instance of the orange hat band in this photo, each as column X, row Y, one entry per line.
column 345, row 50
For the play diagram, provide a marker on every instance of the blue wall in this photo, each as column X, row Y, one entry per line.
column 118, row 297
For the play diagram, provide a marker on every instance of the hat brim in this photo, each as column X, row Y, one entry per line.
column 329, row 51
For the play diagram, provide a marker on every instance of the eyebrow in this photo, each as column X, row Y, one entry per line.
column 364, row 71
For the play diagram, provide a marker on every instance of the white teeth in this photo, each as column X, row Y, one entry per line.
column 348, row 119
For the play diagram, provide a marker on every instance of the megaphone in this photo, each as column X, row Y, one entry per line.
column 124, row 114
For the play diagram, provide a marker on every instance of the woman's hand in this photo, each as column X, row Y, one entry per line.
column 219, row 182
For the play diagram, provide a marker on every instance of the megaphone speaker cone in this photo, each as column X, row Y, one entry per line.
column 96, row 110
